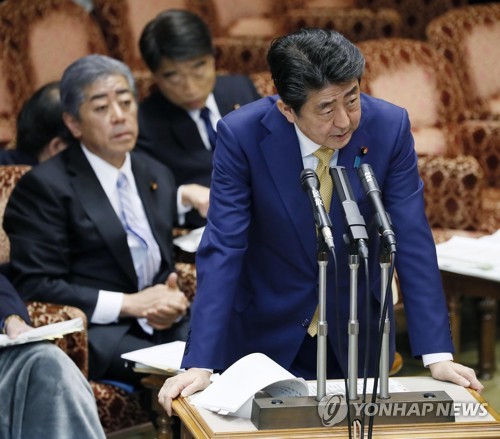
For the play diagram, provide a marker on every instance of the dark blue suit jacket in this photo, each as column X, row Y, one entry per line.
column 257, row 262
column 67, row 242
column 10, row 302
column 168, row 134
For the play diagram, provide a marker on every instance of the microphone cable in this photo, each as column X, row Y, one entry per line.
column 379, row 342
column 367, row 344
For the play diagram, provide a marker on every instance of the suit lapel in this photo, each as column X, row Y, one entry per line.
column 285, row 167
column 95, row 202
column 225, row 104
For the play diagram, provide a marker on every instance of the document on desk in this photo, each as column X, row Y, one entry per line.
column 479, row 257
column 190, row 242
column 163, row 358
column 233, row 391
column 46, row 332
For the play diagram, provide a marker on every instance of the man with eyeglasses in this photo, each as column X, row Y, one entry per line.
column 177, row 122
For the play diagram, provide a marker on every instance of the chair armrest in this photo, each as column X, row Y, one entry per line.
column 74, row 344
column 452, row 191
column 481, row 139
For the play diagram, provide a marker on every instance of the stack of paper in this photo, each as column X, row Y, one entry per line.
column 479, row 257
column 47, row 332
column 163, row 359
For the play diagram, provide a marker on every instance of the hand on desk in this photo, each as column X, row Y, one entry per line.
column 184, row 384
column 456, row 373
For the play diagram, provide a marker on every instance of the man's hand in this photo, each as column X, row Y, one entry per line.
column 161, row 304
column 184, row 384
column 456, row 373
column 15, row 325
column 197, row 196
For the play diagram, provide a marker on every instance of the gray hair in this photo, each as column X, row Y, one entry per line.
column 84, row 72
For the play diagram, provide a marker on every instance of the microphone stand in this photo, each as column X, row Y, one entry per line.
column 385, row 263
column 353, row 325
column 322, row 335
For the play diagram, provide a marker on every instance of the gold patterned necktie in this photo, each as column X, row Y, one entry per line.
column 324, row 154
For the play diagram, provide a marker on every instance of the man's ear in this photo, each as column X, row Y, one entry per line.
column 286, row 111
column 55, row 146
column 73, row 124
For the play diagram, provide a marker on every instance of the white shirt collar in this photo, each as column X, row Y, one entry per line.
column 307, row 146
column 211, row 105
column 106, row 173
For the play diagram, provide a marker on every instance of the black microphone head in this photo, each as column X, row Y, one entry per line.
column 309, row 179
column 367, row 177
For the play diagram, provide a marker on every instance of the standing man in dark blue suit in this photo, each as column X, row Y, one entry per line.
column 257, row 262
column 43, row 393
column 177, row 121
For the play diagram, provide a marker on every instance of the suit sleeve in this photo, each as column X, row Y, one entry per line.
column 220, row 256
column 416, row 261
column 37, row 225
column 10, row 302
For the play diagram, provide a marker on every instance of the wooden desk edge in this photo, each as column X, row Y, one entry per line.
column 199, row 428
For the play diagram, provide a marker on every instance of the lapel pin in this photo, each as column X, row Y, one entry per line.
column 357, row 160
column 236, row 106
column 153, row 185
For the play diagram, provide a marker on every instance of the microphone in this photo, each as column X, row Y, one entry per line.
column 382, row 218
column 355, row 221
column 310, row 184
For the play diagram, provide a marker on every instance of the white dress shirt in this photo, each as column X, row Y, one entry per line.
column 109, row 303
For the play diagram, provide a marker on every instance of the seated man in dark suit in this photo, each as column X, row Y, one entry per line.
column 40, row 130
column 43, row 393
column 177, row 121
column 91, row 227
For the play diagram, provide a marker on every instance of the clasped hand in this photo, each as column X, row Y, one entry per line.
column 161, row 304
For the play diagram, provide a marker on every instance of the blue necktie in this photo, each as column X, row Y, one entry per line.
column 212, row 135
column 144, row 249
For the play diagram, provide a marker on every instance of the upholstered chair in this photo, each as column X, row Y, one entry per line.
column 356, row 24
column 43, row 38
column 414, row 75
column 415, row 14
column 469, row 38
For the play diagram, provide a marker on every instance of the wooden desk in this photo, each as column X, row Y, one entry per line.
column 457, row 286
column 202, row 424
column 163, row 421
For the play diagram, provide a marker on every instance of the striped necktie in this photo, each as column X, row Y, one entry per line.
column 324, row 154
column 144, row 248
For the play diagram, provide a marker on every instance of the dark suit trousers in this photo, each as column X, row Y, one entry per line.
column 305, row 363
column 135, row 339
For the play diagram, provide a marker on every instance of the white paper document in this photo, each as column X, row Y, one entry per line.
column 165, row 357
column 232, row 393
column 47, row 332
column 190, row 242
column 479, row 257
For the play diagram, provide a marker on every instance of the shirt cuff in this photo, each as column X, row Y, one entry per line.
column 182, row 209
column 429, row 359
column 108, row 307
